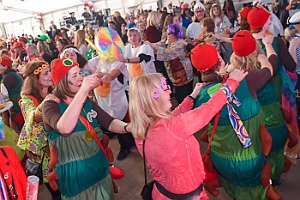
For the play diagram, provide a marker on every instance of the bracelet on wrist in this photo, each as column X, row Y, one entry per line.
column 125, row 128
column 128, row 60
column 191, row 97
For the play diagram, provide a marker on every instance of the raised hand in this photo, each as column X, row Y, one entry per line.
column 90, row 82
column 238, row 75
column 197, row 89
column 268, row 39
column 261, row 58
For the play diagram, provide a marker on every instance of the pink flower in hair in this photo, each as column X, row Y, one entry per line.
column 156, row 93
column 163, row 84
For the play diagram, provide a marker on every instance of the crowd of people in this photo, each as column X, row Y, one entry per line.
column 233, row 75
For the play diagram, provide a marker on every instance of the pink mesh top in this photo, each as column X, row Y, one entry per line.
column 173, row 153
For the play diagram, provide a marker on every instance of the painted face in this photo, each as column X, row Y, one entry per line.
column 74, row 79
column 216, row 11
column 199, row 13
column 134, row 38
column 71, row 55
column 2, row 68
column 45, row 78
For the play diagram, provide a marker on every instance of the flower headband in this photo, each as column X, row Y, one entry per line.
column 163, row 85
column 62, row 55
column 40, row 69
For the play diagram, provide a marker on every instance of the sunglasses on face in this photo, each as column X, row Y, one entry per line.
column 169, row 33
column 168, row 88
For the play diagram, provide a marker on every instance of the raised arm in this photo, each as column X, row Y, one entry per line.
column 285, row 56
column 70, row 116
column 188, row 102
column 192, row 121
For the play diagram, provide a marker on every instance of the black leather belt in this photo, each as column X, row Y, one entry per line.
column 186, row 196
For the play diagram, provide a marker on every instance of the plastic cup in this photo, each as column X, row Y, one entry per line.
column 32, row 187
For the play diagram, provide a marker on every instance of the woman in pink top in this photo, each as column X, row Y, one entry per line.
column 172, row 152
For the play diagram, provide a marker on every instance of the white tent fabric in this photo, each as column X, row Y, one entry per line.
column 20, row 16
column 12, row 10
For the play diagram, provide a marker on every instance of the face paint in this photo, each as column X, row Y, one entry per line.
column 70, row 82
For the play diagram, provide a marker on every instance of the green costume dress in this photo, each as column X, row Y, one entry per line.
column 270, row 98
column 239, row 168
column 82, row 167
column 274, row 122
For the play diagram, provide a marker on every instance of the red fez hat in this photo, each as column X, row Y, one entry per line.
column 60, row 68
column 6, row 61
column 243, row 43
column 244, row 12
column 204, row 57
column 257, row 18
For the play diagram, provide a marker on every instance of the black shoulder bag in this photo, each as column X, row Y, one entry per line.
column 148, row 187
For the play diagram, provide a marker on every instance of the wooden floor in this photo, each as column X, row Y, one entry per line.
column 130, row 186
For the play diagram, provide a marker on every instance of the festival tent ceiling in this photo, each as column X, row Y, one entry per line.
column 14, row 10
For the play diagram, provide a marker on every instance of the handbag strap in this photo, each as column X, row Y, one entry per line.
column 213, row 132
column 224, row 78
column 144, row 158
column 89, row 127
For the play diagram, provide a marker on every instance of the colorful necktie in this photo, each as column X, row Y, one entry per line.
column 234, row 118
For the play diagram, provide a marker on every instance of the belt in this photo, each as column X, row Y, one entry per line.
column 186, row 196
